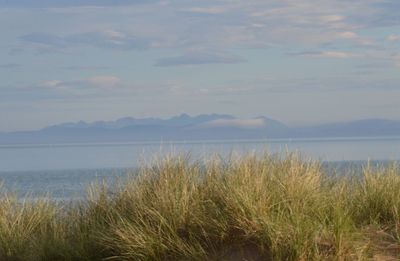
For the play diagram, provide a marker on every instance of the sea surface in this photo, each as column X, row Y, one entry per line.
column 65, row 171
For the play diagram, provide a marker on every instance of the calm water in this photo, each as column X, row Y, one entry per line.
column 66, row 170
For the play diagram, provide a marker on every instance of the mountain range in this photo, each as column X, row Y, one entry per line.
column 188, row 128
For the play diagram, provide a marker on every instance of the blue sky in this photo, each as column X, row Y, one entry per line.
column 299, row 61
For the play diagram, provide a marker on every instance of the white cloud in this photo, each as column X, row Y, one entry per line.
column 69, row 3
column 206, row 10
column 100, row 81
column 104, row 81
column 52, row 83
column 335, row 54
column 348, row 35
column 105, row 86
column 327, row 54
column 331, row 18
column 114, row 34
column 110, row 39
column 393, row 38
column 203, row 57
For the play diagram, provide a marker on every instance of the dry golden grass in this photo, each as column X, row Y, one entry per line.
column 249, row 207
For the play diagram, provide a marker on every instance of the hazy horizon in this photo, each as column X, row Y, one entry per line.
column 192, row 116
column 301, row 62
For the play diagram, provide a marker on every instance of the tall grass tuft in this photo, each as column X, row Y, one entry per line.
column 246, row 207
column 24, row 228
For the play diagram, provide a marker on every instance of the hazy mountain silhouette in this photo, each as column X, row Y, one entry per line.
column 201, row 127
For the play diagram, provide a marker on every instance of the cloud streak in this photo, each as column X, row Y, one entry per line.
column 99, row 81
column 199, row 58
column 393, row 38
column 67, row 3
column 327, row 54
column 105, row 39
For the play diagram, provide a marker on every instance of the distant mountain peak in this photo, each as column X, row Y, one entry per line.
column 199, row 127
column 180, row 120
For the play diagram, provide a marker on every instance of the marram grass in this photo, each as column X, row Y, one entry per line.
column 245, row 208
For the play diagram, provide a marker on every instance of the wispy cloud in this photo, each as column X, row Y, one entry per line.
column 99, row 81
column 67, row 3
column 102, row 39
column 105, row 81
column 196, row 58
column 212, row 10
column 85, row 68
column 53, row 83
column 327, row 54
column 95, row 87
column 393, row 38
column 104, row 86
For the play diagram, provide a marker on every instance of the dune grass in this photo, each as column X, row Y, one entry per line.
column 249, row 207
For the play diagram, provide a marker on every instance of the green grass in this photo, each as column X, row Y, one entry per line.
column 247, row 207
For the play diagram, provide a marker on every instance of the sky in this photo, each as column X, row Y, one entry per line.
column 302, row 62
